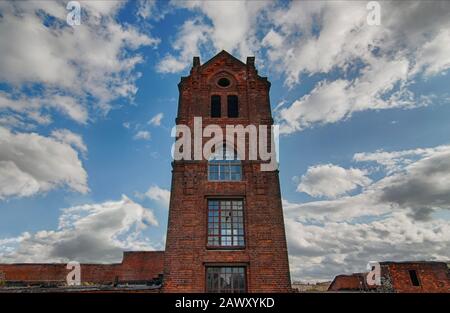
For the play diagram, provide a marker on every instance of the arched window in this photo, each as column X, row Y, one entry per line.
column 215, row 106
column 224, row 165
column 233, row 106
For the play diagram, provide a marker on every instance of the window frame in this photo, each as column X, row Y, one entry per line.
column 223, row 266
column 224, row 163
column 219, row 235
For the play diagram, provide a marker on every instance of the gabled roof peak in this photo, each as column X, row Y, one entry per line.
column 223, row 53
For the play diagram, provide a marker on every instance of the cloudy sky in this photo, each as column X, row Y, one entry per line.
column 86, row 113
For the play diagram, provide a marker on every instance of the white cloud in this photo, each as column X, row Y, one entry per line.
column 394, row 161
column 376, row 64
column 86, row 233
column 169, row 64
column 332, row 181
column 142, row 135
column 70, row 138
column 35, row 108
column 220, row 25
column 418, row 187
column 158, row 194
column 232, row 23
column 156, row 120
column 328, row 101
column 333, row 101
column 346, row 208
column 14, row 120
column 399, row 217
column 31, row 164
column 319, row 252
column 192, row 34
column 295, row 24
column 272, row 39
column 146, row 8
column 14, row 182
column 422, row 187
column 434, row 57
column 69, row 64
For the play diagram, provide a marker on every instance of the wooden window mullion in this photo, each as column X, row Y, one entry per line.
column 220, row 223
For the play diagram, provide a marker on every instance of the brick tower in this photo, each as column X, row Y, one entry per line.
column 226, row 228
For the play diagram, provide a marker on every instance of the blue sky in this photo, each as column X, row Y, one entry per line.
column 364, row 111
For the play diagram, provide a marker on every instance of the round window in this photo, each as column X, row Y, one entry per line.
column 223, row 82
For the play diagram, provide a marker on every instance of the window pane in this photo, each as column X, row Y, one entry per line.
column 233, row 107
column 235, row 177
column 215, row 106
column 213, row 240
column 225, row 279
column 235, row 169
column 222, row 176
column 224, row 165
column 225, row 223
column 213, row 176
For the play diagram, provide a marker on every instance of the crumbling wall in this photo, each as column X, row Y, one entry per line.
column 395, row 277
column 433, row 276
column 135, row 266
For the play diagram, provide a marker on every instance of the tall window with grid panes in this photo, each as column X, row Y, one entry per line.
column 226, row 229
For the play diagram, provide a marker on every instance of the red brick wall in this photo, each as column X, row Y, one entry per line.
column 433, row 276
column 265, row 254
column 346, row 282
column 142, row 265
column 135, row 266
column 353, row 282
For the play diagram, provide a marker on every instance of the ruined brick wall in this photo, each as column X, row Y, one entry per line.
column 265, row 253
column 395, row 277
column 346, row 283
column 353, row 282
column 433, row 276
column 135, row 266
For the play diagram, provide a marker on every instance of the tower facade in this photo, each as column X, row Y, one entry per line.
column 226, row 229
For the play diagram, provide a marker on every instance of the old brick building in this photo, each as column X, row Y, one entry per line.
column 399, row 277
column 226, row 229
